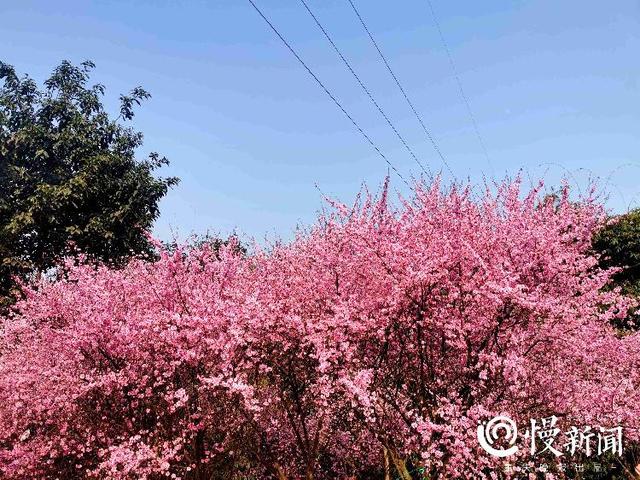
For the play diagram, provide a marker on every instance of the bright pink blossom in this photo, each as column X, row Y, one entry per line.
column 379, row 332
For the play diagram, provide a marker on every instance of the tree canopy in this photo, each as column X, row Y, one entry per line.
column 618, row 244
column 379, row 333
column 70, row 180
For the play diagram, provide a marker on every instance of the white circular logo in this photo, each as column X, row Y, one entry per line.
column 489, row 433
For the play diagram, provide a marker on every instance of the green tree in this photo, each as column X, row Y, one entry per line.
column 618, row 244
column 215, row 243
column 69, row 178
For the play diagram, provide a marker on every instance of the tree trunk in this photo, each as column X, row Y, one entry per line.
column 387, row 469
column 400, row 464
column 281, row 474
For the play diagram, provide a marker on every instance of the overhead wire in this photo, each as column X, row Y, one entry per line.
column 402, row 90
column 364, row 88
column 463, row 95
column 328, row 92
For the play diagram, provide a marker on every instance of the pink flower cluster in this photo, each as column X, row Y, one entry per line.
column 375, row 341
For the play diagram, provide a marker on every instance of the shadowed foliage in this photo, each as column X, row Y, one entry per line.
column 69, row 178
column 618, row 243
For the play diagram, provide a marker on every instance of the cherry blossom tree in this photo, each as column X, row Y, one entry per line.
column 371, row 345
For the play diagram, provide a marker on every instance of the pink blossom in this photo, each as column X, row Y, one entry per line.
column 379, row 331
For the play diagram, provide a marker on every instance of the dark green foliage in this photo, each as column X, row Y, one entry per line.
column 619, row 243
column 619, row 246
column 69, row 179
column 215, row 243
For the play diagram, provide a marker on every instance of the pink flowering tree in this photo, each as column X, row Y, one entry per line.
column 370, row 346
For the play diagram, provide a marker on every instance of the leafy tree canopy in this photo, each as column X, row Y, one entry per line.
column 215, row 243
column 619, row 246
column 69, row 177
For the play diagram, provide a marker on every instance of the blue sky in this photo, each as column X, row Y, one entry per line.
column 554, row 87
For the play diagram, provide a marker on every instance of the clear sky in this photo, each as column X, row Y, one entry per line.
column 553, row 85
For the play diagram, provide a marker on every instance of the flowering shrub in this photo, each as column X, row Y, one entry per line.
column 376, row 341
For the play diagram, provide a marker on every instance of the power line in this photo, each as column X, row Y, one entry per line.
column 364, row 87
column 459, row 82
column 404, row 94
column 326, row 90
